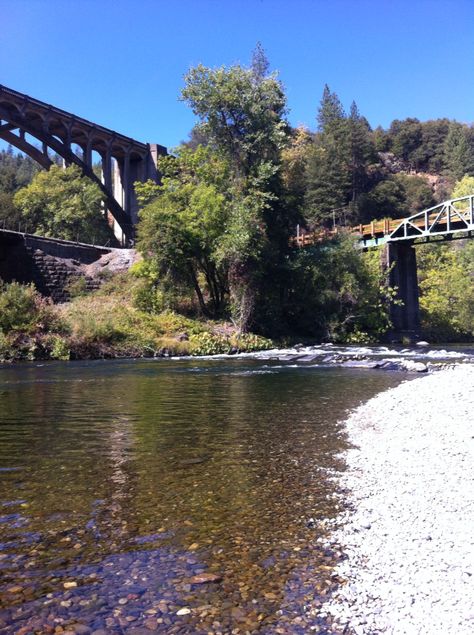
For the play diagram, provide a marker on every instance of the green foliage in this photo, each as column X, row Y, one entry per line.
column 16, row 171
column 398, row 196
column 463, row 187
column 180, row 229
column 338, row 293
column 22, row 309
column 209, row 344
column 338, row 166
column 459, row 150
column 386, row 200
column 77, row 286
column 405, row 138
column 59, row 347
column 218, row 224
column 10, row 215
column 446, row 290
column 63, row 204
column 417, row 193
column 216, row 344
column 241, row 112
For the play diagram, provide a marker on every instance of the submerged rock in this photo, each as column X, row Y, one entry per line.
column 205, row 578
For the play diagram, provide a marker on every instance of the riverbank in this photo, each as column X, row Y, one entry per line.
column 108, row 324
column 407, row 533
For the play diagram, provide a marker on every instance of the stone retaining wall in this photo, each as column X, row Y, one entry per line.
column 52, row 265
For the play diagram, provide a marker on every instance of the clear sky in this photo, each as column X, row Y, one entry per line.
column 120, row 63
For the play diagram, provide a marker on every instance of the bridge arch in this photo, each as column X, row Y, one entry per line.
column 123, row 159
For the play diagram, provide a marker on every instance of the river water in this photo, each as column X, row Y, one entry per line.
column 172, row 496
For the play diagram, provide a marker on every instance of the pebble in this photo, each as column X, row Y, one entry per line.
column 407, row 532
column 183, row 611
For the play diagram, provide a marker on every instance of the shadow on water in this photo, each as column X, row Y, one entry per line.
column 174, row 496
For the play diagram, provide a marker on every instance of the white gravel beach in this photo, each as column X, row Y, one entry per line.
column 409, row 536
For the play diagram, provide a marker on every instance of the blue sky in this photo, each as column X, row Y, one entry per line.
column 120, row 63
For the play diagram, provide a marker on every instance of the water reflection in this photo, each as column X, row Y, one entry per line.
column 121, row 482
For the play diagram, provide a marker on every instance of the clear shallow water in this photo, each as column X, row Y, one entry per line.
column 130, row 478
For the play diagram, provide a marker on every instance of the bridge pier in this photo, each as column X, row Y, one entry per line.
column 400, row 260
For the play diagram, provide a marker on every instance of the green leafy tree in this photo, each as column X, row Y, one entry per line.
column 406, row 138
column 10, row 215
column 430, row 156
column 417, row 191
column 63, row 204
column 294, row 168
column 463, row 187
column 242, row 113
column 338, row 293
column 181, row 225
column 386, row 200
column 445, row 274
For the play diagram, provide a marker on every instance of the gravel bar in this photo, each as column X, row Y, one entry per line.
column 408, row 532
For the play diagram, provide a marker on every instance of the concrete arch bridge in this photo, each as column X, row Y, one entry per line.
column 123, row 160
column 450, row 220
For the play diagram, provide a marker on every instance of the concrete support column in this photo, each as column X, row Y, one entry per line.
column 88, row 152
column 107, row 169
column 127, row 184
column 400, row 257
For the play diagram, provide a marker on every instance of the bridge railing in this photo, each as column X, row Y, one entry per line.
column 455, row 215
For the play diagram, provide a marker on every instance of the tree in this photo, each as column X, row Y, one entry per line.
column 362, row 153
column 463, row 187
column 446, row 290
column 429, row 157
column 418, row 193
column 294, row 168
column 242, row 114
column 386, row 200
column 181, row 224
column 406, row 137
column 330, row 111
column 338, row 292
column 63, row 204
column 459, row 151
column 16, row 171
column 10, row 215
column 328, row 175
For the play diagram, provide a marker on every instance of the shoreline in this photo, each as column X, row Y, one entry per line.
column 407, row 529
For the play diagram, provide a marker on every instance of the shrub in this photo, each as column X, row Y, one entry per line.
column 23, row 309
column 209, row 344
column 77, row 287
column 248, row 342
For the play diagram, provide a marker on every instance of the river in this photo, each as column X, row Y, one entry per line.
column 172, row 496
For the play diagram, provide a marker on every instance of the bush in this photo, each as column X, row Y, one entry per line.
column 76, row 287
column 248, row 342
column 23, row 309
column 209, row 344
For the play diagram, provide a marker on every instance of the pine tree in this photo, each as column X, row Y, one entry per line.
column 328, row 176
column 260, row 63
column 362, row 152
column 330, row 110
